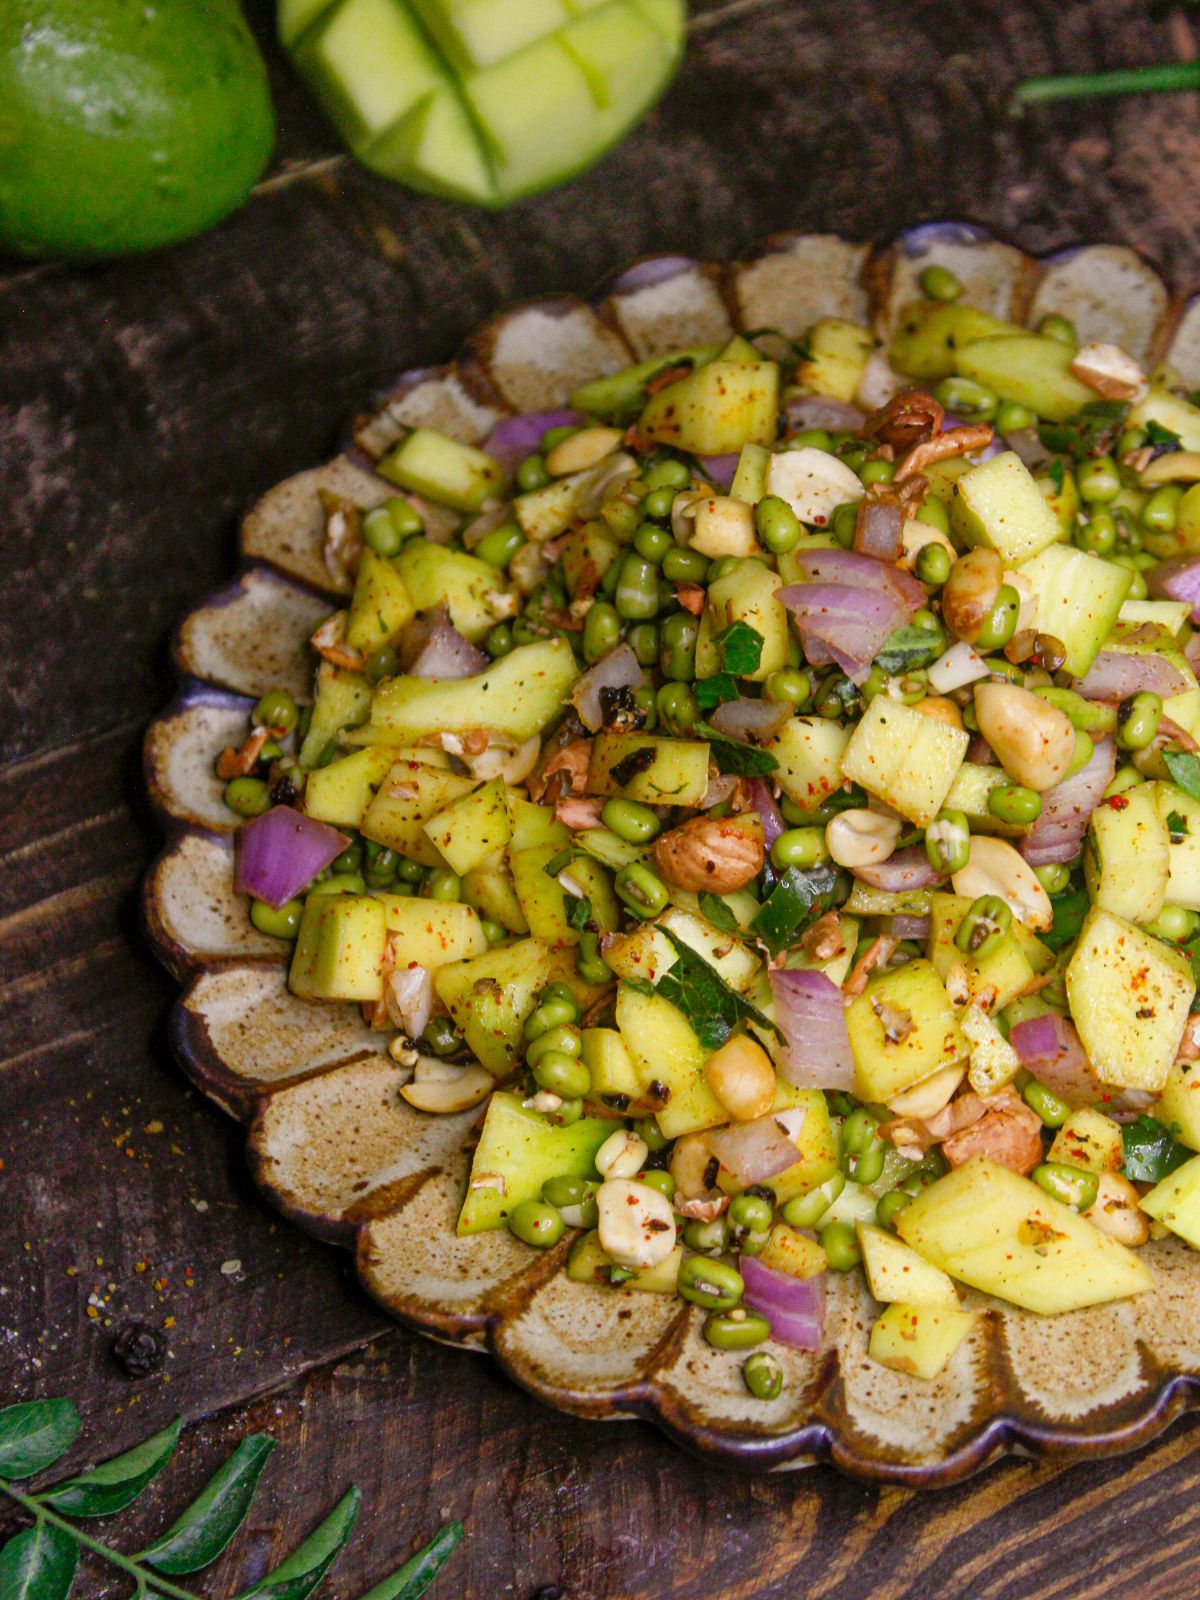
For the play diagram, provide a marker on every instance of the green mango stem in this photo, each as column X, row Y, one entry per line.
column 1167, row 77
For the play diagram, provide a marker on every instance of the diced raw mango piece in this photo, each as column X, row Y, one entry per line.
column 517, row 695
column 491, row 997
column 1078, row 598
column 1181, row 817
column 609, row 1062
column 994, row 1063
column 366, row 60
column 666, row 1051
column 816, row 1144
column 903, row 1029
column 432, row 933
column 999, row 1232
column 653, row 770
column 646, row 952
column 747, row 594
column 475, row 595
column 792, row 1252
column 809, row 751
column 1127, row 858
column 471, row 828
column 381, row 605
column 1179, row 1107
column 343, row 700
column 895, row 1272
column 998, row 505
column 997, row 978
column 475, row 34
column 339, row 949
column 517, row 1151
column 929, row 335
column 1031, row 369
column 1089, row 1139
column 906, row 760
column 443, row 470
column 918, row 1340
column 835, row 359
column 490, row 890
column 1175, row 1202
column 533, row 824
column 341, row 792
column 750, row 480
column 409, row 795
column 1129, row 995
column 717, row 409
column 588, row 1263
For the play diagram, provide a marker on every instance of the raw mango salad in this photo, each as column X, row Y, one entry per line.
column 766, row 795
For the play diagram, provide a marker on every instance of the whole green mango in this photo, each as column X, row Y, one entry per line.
column 125, row 124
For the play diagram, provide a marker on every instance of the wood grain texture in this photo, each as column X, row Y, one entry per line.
column 142, row 405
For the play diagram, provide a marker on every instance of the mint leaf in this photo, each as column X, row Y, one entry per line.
column 1177, row 826
column 717, row 912
column 796, row 902
column 742, row 760
column 712, row 692
column 908, row 648
column 1069, row 909
column 579, row 913
column 741, row 649
column 1184, row 770
column 704, row 998
column 1150, row 1151
column 1162, row 438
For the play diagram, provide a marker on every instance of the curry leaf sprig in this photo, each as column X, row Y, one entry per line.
column 41, row 1561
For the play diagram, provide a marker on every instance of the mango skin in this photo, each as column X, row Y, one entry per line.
column 125, row 127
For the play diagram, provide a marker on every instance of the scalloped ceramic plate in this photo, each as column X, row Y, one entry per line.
column 330, row 1141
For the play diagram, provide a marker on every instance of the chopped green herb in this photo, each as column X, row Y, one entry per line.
column 717, row 912
column 908, row 648
column 1162, row 438
column 1069, row 908
column 704, row 998
column 714, row 691
column 796, row 902
column 1177, row 826
column 1093, row 432
column 1150, row 1151
column 579, row 913
column 741, row 649
column 1184, row 770
column 1057, row 474
column 741, row 760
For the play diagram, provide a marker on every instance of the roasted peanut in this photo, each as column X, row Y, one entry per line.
column 859, row 838
column 1033, row 740
column 742, row 1078
column 637, row 1225
column 717, row 854
column 970, row 591
column 996, row 868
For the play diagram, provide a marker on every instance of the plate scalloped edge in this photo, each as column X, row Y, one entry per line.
column 329, row 1140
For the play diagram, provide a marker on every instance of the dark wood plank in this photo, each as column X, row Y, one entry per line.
column 141, row 406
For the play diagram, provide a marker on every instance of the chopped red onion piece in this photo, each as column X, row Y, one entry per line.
column 838, row 623
column 957, row 667
column 795, row 1307
column 860, row 572
column 1117, row 674
column 879, row 530
column 1177, row 579
column 751, row 1152
column 1057, row 835
column 511, row 440
column 719, row 469
column 906, row 869
column 281, row 852
column 1050, row 1048
column 811, row 1014
column 618, row 669
column 751, row 721
column 720, row 786
column 804, row 411
column 446, row 654
column 769, row 814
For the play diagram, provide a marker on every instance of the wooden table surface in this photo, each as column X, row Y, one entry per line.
column 141, row 406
